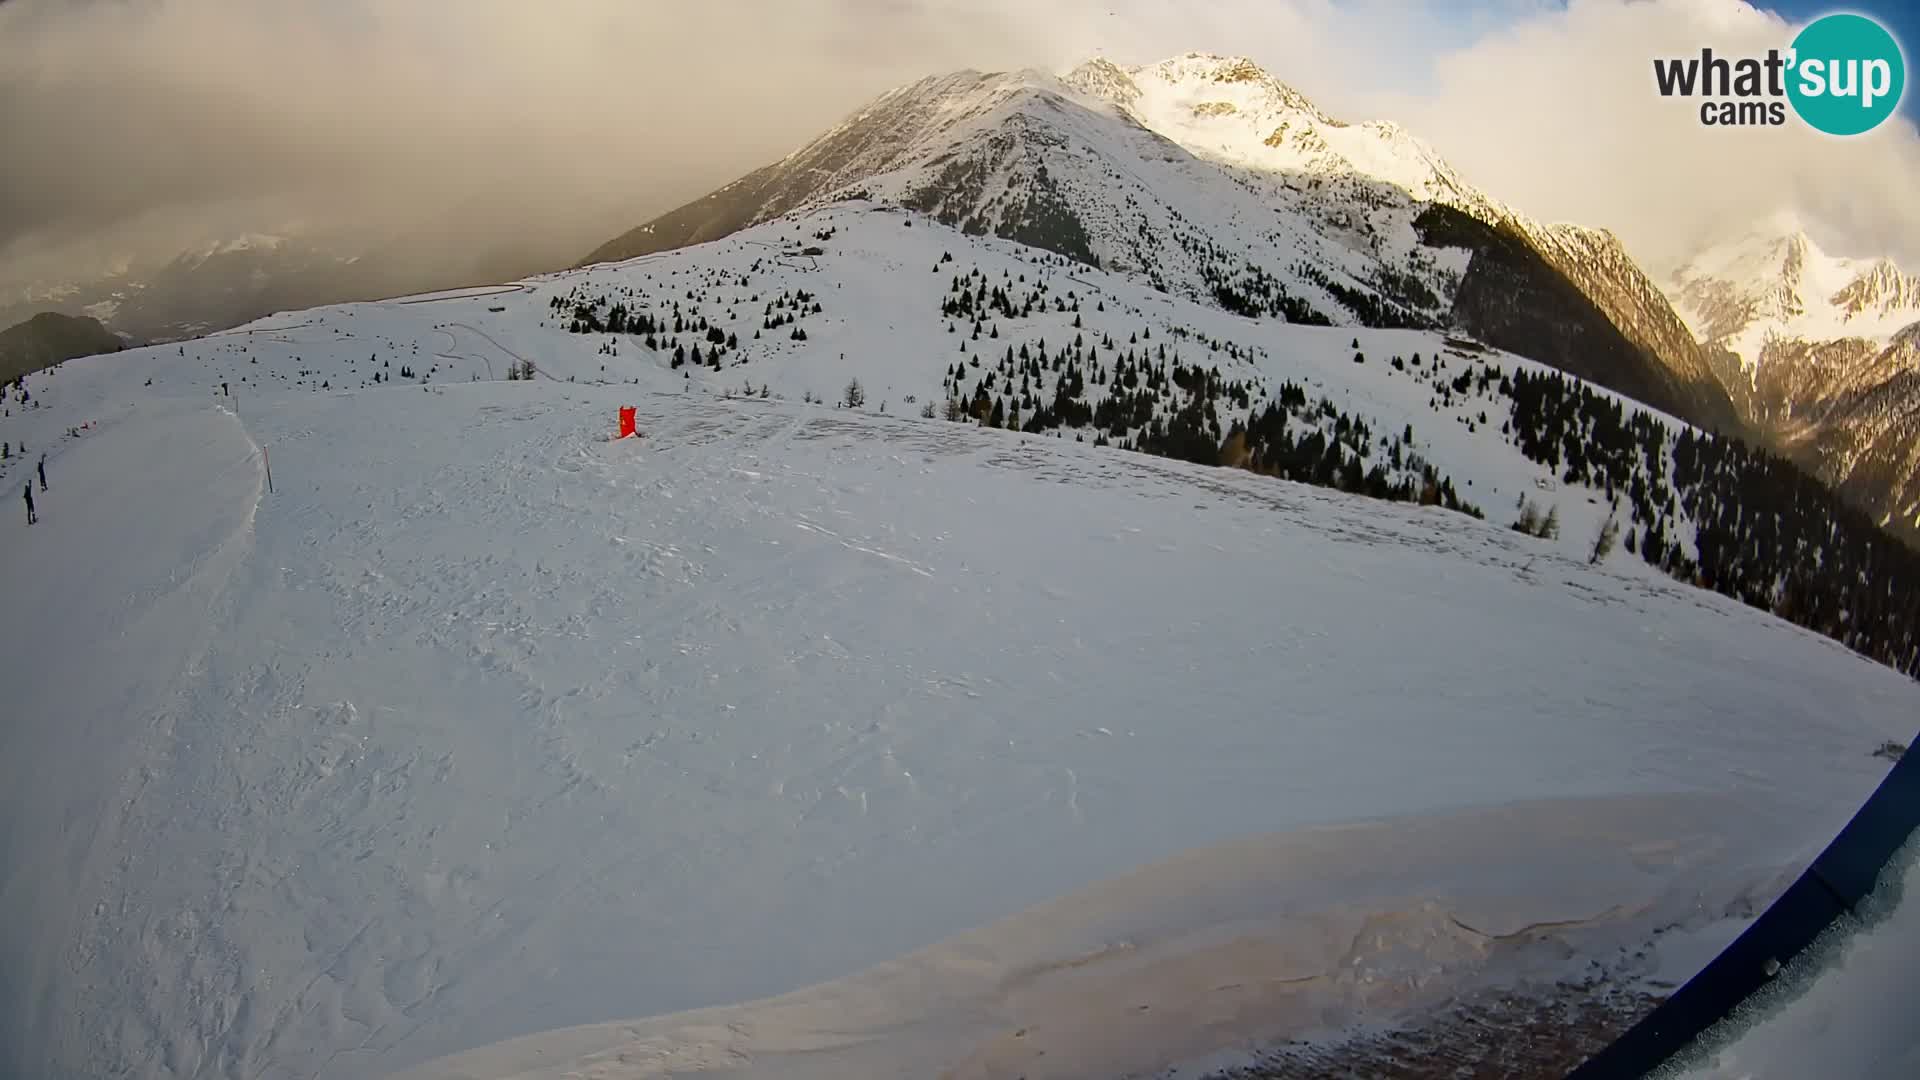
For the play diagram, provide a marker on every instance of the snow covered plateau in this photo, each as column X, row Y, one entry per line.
column 835, row 741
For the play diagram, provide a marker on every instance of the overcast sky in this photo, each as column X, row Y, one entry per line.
column 130, row 121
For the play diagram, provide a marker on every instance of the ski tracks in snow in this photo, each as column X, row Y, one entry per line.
column 513, row 726
column 169, row 497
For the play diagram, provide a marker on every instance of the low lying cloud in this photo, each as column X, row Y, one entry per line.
column 155, row 124
column 142, row 121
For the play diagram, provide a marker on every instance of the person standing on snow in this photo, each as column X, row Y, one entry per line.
column 32, row 517
column 43, row 472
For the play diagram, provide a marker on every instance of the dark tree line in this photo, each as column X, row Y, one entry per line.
column 1710, row 511
column 660, row 328
column 1247, row 289
column 1337, row 450
column 1764, row 532
column 1256, row 294
column 1397, row 299
column 1373, row 311
column 1138, row 394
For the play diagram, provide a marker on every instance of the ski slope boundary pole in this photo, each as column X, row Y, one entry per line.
column 268, row 458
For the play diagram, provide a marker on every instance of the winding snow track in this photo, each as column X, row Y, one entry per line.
column 115, row 601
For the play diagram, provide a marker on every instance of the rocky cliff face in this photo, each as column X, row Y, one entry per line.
column 1678, row 367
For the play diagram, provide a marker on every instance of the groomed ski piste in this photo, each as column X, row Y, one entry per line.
column 793, row 740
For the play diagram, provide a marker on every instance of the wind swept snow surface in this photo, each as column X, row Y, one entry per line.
column 489, row 725
column 481, row 725
column 1267, row 939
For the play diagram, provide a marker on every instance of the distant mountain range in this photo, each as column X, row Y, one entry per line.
column 1820, row 354
column 49, row 338
column 227, row 280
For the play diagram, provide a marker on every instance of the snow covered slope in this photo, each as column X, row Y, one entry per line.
column 1229, row 109
column 479, row 724
column 1024, row 156
column 1315, row 930
column 1209, row 179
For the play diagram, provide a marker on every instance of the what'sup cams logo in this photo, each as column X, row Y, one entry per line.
column 1843, row 74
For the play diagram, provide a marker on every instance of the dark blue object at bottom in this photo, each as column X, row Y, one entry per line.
column 1835, row 884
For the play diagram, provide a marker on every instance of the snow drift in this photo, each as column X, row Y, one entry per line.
column 1241, row 945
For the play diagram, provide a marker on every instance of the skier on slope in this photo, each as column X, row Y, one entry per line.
column 32, row 517
column 43, row 472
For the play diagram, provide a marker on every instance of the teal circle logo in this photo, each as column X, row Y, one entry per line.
column 1847, row 74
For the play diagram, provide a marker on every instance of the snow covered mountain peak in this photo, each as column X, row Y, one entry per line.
column 1230, row 78
column 1881, row 289
column 1819, row 350
column 1212, row 180
column 1211, row 84
column 1102, row 78
column 1776, row 283
column 946, row 96
column 1157, row 170
column 1229, row 109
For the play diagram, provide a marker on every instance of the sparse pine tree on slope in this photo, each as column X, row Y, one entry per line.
column 1529, row 521
column 1603, row 541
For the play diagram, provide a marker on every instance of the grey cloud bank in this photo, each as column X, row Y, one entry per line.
column 138, row 126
